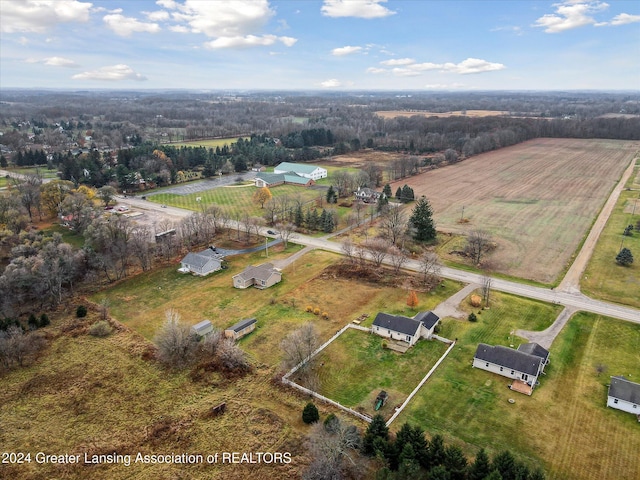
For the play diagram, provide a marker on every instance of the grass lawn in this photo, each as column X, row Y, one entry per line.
column 68, row 236
column 4, row 181
column 565, row 424
column 603, row 277
column 212, row 143
column 43, row 171
column 355, row 367
column 236, row 201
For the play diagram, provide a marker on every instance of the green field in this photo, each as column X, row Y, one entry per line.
column 355, row 367
column 604, row 278
column 68, row 236
column 236, row 200
column 43, row 171
column 565, row 424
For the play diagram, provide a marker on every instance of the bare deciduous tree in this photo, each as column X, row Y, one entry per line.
column 377, row 250
column 478, row 243
column 398, row 258
column 430, row 266
column 16, row 346
column 393, row 223
column 348, row 248
column 486, row 289
column 230, row 356
column 299, row 345
column 177, row 345
column 286, row 232
column 329, row 446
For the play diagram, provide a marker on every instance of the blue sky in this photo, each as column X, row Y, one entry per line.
column 321, row 44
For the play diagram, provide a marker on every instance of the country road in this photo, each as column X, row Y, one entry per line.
column 571, row 298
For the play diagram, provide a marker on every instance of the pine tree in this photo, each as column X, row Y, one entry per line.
column 387, row 190
column 376, row 429
column 480, row 468
column 435, row 451
column 299, row 216
column 456, row 462
column 399, row 193
column 331, row 195
column 310, row 413
column 505, row 464
column 383, row 202
column 421, row 221
column 624, row 258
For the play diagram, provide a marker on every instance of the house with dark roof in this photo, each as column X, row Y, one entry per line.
column 405, row 329
column 240, row 329
column 367, row 195
column 524, row 365
column 201, row 263
column 259, row 276
column 304, row 170
column 624, row 395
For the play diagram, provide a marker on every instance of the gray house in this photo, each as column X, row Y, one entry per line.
column 201, row 263
column 240, row 329
column 259, row 276
column 524, row 365
column 405, row 329
column 624, row 395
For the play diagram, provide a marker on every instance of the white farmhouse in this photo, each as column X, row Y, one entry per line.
column 405, row 329
column 201, row 263
column 308, row 171
column 624, row 395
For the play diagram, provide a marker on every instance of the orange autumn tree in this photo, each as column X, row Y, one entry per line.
column 412, row 299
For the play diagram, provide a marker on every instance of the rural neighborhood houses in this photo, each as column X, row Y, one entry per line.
column 201, row 263
column 260, row 276
column 624, row 395
column 367, row 195
column 524, row 365
column 308, row 171
column 240, row 329
column 405, row 329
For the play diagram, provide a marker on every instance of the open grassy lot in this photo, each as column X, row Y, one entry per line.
column 565, row 424
column 459, row 113
column 603, row 277
column 537, row 198
column 236, row 200
column 4, row 181
column 43, row 171
column 355, row 367
column 97, row 395
column 68, row 236
column 212, row 143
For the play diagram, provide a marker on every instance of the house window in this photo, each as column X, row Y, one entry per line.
column 409, row 340
column 635, row 406
column 389, row 332
column 615, row 401
column 487, row 364
column 512, row 372
column 501, row 369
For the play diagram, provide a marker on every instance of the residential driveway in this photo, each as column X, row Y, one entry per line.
column 228, row 253
column 546, row 337
column 449, row 308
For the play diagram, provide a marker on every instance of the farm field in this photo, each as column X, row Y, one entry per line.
column 211, row 143
column 355, row 367
column 537, row 199
column 459, row 113
column 565, row 425
column 604, row 278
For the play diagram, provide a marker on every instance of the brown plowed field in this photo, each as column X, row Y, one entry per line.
column 537, row 198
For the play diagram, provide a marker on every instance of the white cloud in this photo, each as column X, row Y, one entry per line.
column 38, row 16
column 331, row 83
column 111, row 73
column 406, row 67
column 570, row 14
column 398, row 61
column 513, row 29
column 125, row 26
column 347, row 50
column 249, row 41
column 157, row 16
column 54, row 62
column 620, row 19
column 356, row 8
column 179, row 29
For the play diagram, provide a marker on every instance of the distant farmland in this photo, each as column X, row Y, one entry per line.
column 211, row 143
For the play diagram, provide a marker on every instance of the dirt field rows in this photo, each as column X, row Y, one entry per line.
column 537, row 198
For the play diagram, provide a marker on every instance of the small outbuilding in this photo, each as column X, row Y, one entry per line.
column 240, row 329
column 202, row 328
column 624, row 395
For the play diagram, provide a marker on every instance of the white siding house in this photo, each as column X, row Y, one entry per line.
column 624, row 395
column 405, row 329
column 201, row 263
column 308, row 171
column 260, row 276
column 525, row 364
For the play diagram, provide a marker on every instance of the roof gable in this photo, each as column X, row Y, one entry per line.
column 259, row 272
column 428, row 319
column 509, row 358
column 296, row 167
column 242, row 324
column 625, row 390
column 397, row 323
column 534, row 349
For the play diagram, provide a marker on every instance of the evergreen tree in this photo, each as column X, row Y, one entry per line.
column 480, row 468
column 421, row 221
column 494, row 475
column 310, row 413
column 624, row 258
column 329, row 224
column 522, row 471
column 505, row 464
column 44, row 320
column 439, row 472
column 455, row 462
column 436, row 451
column 299, row 216
column 387, row 190
column 407, row 194
column 408, row 467
column 33, row 322
column 537, row 474
column 376, row 429
column 399, row 194
column 3, row 161
column 332, row 197
column 383, row 202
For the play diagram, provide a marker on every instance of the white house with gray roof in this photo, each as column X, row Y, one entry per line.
column 525, row 364
column 304, row 170
column 260, row 276
column 405, row 329
column 201, row 263
column 624, row 395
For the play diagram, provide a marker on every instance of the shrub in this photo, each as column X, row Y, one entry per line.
column 44, row 320
column 325, row 315
column 472, row 317
column 33, row 322
column 316, row 311
column 310, row 413
column 476, row 300
column 309, row 308
column 100, row 329
column 81, row 311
